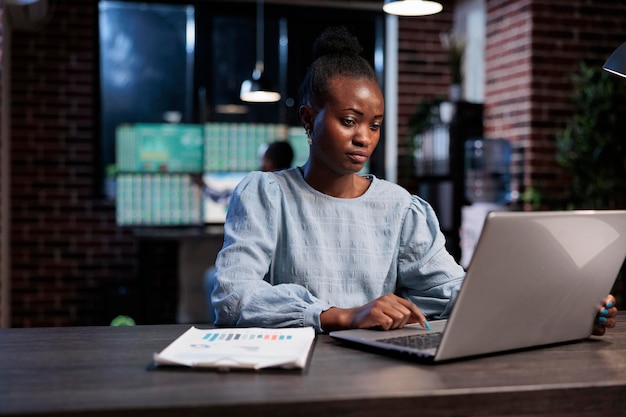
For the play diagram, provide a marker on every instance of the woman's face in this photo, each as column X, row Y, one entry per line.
column 346, row 130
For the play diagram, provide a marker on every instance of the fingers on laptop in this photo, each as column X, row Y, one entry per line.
column 393, row 312
column 397, row 313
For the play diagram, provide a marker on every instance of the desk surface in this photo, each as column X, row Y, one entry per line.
column 104, row 371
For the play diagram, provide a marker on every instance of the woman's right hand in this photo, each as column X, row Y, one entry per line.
column 386, row 312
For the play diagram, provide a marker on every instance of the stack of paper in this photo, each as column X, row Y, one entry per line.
column 245, row 348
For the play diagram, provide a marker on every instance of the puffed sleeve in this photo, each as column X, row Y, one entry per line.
column 241, row 296
column 427, row 274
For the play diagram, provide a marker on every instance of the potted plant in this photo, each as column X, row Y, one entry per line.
column 592, row 147
column 425, row 116
column 454, row 45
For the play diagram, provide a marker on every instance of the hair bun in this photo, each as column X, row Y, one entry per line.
column 336, row 40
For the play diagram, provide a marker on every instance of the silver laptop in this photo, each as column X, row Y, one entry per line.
column 536, row 278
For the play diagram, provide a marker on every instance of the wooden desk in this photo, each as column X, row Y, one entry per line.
column 102, row 371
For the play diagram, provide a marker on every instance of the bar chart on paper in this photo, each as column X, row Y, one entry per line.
column 247, row 348
column 235, row 336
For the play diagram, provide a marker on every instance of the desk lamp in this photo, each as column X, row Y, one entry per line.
column 412, row 7
column 616, row 63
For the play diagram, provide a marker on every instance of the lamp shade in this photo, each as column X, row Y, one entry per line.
column 616, row 63
column 412, row 7
column 258, row 89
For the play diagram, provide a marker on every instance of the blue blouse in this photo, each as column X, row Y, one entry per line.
column 291, row 252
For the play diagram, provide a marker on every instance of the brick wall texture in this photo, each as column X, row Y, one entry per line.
column 69, row 260
column 531, row 48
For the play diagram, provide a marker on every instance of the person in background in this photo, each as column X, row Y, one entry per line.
column 321, row 245
column 277, row 156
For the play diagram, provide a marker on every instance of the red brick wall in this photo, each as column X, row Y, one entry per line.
column 532, row 45
column 67, row 251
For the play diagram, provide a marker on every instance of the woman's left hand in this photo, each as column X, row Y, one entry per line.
column 605, row 317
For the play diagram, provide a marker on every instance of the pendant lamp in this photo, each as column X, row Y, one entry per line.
column 412, row 7
column 259, row 89
column 616, row 63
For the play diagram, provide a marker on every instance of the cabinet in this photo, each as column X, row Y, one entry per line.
column 440, row 164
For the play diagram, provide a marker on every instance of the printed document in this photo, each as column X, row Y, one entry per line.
column 241, row 348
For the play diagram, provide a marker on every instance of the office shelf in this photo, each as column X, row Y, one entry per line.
column 440, row 167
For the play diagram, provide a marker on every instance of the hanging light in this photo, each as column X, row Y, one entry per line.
column 412, row 7
column 616, row 63
column 259, row 89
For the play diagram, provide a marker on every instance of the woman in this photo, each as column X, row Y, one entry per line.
column 321, row 245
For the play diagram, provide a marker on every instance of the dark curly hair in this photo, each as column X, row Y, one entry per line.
column 335, row 52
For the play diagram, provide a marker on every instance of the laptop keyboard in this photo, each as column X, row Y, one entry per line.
column 419, row 341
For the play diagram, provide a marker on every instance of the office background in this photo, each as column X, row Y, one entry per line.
column 69, row 261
